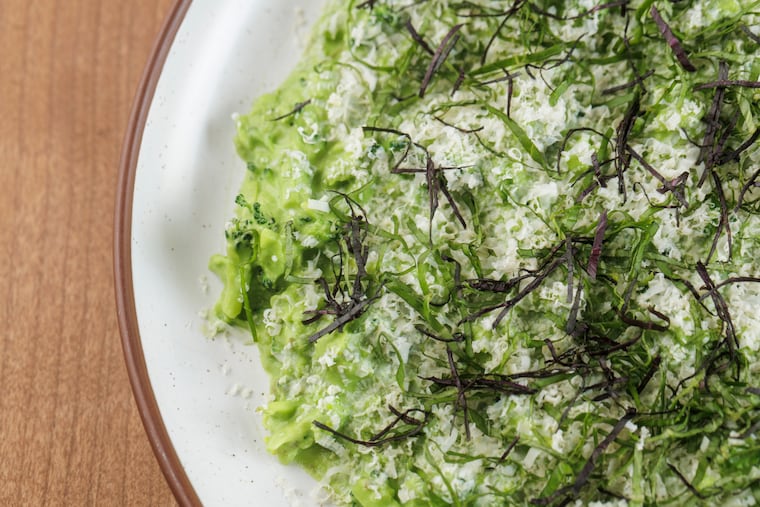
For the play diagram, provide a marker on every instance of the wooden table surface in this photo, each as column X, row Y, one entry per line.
column 70, row 433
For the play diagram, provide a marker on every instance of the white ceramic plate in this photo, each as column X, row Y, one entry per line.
column 185, row 175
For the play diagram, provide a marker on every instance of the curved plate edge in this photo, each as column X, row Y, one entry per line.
column 125, row 303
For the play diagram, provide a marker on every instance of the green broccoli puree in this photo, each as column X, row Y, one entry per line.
column 505, row 253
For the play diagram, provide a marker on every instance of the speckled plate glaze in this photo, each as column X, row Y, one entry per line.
column 178, row 179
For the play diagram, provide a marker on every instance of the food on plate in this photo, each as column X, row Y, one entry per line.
column 506, row 253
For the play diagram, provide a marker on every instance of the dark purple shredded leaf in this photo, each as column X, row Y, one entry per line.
column 672, row 40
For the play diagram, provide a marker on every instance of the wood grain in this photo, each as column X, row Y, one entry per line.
column 69, row 429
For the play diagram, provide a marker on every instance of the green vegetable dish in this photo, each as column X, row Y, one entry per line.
column 506, row 253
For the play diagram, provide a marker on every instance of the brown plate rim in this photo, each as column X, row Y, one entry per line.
column 137, row 371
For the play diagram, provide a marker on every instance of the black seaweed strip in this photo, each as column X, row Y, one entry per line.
column 421, row 329
column 572, row 319
column 720, row 145
column 675, row 186
column 672, row 40
column 629, row 50
column 570, row 264
column 694, row 292
column 588, row 468
column 599, row 450
column 399, row 133
column 566, row 138
column 297, row 108
column 572, row 402
column 506, row 77
column 713, row 122
column 614, row 348
column 662, row 190
column 400, row 416
column 463, row 131
column 352, row 313
column 596, row 8
column 507, row 15
column 433, row 185
column 457, row 273
column 724, row 223
column 556, row 359
column 440, row 55
column 434, row 178
column 609, row 389
column 733, row 155
column 500, row 385
column 735, row 279
column 623, row 160
column 596, row 247
column 418, row 38
column 750, row 34
column 555, row 62
column 461, row 397
column 445, row 189
column 360, row 253
column 629, row 84
column 378, row 442
column 509, row 449
column 490, row 285
column 471, row 14
column 686, row 483
column 724, row 83
column 458, row 83
column 722, row 310
column 348, row 310
column 534, row 284
column 612, row 494
column 649, row 374
column 642, row 324
column 751, row 430
column 752, row 182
